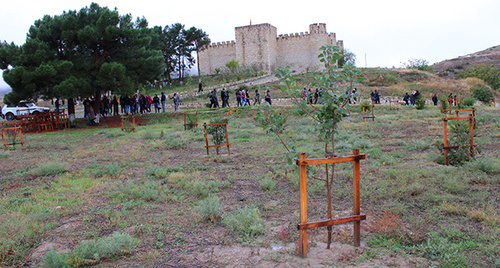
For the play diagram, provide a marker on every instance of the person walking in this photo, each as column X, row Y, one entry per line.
column 238, row 98
column 248, row 98
column 223, row 98
column 243, row 98
column 267, row 97
column 156, row 103
column 114, row 103
column 435, row 99
column 163, row 99
column 200, row 87
column 177, row 101
column 257, row 97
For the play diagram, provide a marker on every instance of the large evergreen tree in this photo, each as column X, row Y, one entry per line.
column 81, row 54
column 177, row 45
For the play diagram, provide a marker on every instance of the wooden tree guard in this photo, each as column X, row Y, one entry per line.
column 373, row 112
column 445, row 135
column 185, row 120
column 356, row 218
column 473, row 110
column 230, row 112
column 442, row 107
column 395, row 103
column 17, row 131
column 125, row 118
column 205, row 125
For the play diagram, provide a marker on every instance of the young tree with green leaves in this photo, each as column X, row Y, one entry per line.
column 333, row 82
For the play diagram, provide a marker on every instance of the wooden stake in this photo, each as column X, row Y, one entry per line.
column 445, row 137
column 303, row 207
column 356, row 207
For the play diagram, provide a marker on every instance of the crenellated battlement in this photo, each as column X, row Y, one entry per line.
column 293, row 35
column 260, row 45
column 223, row 44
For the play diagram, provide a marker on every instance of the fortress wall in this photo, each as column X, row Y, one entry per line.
column 294, row 51
column 300, row 50
column 256, row 46
column 216, row 55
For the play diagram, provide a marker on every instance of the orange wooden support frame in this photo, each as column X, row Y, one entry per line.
column 205, row 125
column 27, row 111
column 373, row 112
column 471, row 120
column 473, row 111
column 442, row 107
column 356, row 218
column 124, row 118
column 230, row 112
column 14, row 143
column 396, row 104
column 185, row 120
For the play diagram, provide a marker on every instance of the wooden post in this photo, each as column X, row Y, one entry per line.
column 133, row 123
column 4, row 140
column 363, row 113
column 206, row 137
column 373, row 112
column 227, row 139
column 445, row 135
column 185, row 122
column 356, row 208
column 471, row 132
column 303, row 206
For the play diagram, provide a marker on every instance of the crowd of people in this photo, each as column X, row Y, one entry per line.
column 242, row 98
column 142, row 103
column 125, row 105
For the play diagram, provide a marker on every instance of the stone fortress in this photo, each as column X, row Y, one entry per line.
column 259, row 46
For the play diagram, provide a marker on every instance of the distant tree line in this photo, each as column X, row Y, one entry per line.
column 81, row 54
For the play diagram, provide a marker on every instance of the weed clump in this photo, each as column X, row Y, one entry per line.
column 89, row 252
column 49, row 169
column 246, row 223
column 210, row 208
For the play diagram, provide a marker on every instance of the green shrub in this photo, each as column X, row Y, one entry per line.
column 205, row 188
column 156, row 172
column 420, row 102
column 267, row 184
column 92, row 250
column 175, row 140
column 458, row 136
column 488, row 73
column 103, row 248
column 469, row 102
column 49, row 169
column 246, row 223
column 210, row 208
column 483, row 94
column 419, row 64
column 487, row 165
column 108, row 170
column 54, row 260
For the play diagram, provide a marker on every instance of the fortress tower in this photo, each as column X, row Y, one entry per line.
column 260, row 46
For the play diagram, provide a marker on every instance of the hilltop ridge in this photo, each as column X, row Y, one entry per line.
column 451, row 67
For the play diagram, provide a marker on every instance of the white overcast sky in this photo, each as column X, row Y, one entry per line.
column 388, row 32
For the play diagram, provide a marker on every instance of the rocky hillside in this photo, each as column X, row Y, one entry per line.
column 490, row 56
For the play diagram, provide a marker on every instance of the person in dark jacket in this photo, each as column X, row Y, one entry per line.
column 435, row 99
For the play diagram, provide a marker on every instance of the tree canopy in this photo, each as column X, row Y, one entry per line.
column 88, row 52
column 177, row 46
